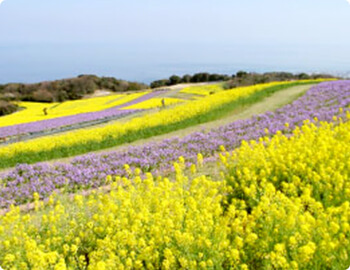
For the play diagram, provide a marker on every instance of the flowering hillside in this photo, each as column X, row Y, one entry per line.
column 279, row 203
column 269, row 192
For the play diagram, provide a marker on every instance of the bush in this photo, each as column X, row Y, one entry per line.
column 43, row 95
column 7, row 108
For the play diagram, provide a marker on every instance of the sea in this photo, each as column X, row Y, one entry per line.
column 146, row 62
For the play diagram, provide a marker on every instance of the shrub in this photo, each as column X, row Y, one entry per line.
column 43, row 95
column 7, row 107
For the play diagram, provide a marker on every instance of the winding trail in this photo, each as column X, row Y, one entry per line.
column 271, row 103
column 64, row 124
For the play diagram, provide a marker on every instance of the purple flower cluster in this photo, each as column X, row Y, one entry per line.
column 60, row 122
column 71, row 120
column 89, row 171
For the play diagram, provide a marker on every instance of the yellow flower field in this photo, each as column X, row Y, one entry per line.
column 33, row 111
column 113, row 132
column 204, row 90
column 280, row 203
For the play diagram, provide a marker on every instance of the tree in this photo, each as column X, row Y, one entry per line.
column 241, row 74
column 200, row 77
column 159, row 83
column 186, row 78
column 303, row 76
column 174, row 80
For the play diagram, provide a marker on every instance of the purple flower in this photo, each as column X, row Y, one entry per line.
column 71, row 120
column 322, row 101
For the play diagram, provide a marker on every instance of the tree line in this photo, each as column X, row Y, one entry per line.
column 60, row 90
column 66, row 89
column 196, row 78
column 241, row 78
column 77, row 88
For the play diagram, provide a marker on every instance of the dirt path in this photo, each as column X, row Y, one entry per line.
column 162, row 92
column 99, row 122
column 270, row 103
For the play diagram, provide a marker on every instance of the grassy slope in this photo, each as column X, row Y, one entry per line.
column 271, row 103
column 217, row 113
column 269, row 99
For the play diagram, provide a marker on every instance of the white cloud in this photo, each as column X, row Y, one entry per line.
column 346, row 0
column 4, row 0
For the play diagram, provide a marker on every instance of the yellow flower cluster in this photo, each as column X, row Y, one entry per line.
column 112, row 132
column 34, row 111
column 204, row 90
column 156, row 103
column 280, row 203
column 149, row 223
column 295, row 191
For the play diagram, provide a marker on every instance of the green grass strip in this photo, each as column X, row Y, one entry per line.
column 108, row 142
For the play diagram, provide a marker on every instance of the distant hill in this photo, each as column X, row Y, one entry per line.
column 60, row 90
column 77, row 88
column 65, row 89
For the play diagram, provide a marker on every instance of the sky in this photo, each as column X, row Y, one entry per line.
column 151, row 39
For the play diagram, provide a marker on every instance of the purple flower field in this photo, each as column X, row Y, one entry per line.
column 59, row 122
column 38, row 126
column 322, row 101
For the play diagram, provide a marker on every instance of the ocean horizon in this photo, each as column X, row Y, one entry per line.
column 29, row 63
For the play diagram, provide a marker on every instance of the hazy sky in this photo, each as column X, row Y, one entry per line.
column 148, row 39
